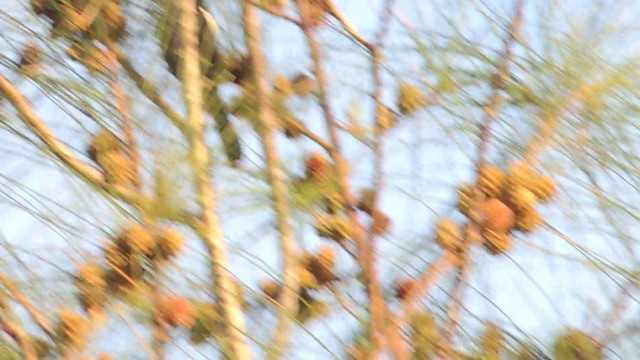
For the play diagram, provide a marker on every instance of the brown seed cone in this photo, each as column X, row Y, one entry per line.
column 31, row 57
column 73, row 329
column 170, row 242
column 465, row 199
column 175, row 311
column 403, row 287
column 381, row 222
column 334, row 227
column 137, row 238
column 520, row 198
column 326, row 255
column 44, row 7
column 303, row 85
column 317, row 167
column 410, row 98
column 292, row 126
column 322, row 272
column 519, row 174
column 271, row 289
column 544, row 187
column 307, row 279
column 282, row 85
column 115, row 256
column 497, row 216
column 208, row 322
column 92, row 286
column 239, row 67
column 365, row 202
column 497, row 242
column 91, row 275
column 101, row 143
column 118, row 169
column 527, row 220
column 448, row 235
column 385, row 119
column 490, row 180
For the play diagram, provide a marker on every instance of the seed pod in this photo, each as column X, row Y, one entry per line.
column 403, row 287
column 424, row 335
column 333, row 227
column 380, row 222
column 307, row 279
column 170, row 242
column 527, row 220
column 544, row 187
column 576, row 344
column 496, row 242
column 365, row 202
column 291, row 125
column 519, row 174
column 282, row 85
column 326, row 255
column 31, row 58
column 497, row 216
column 465, row 199
column 303, row 85
column 175, row 311
column 321, row 267
column 271, row 289
column 317, row 167
column 73, row 329
column 118, row 168
column 492, row 341
column 208, row 322
column 102, row 142
column 137, row 239
column 385, row 119
column 520, row 198
column 410, row 98
column 490, row 180
column 448, row 235
column 92, row 287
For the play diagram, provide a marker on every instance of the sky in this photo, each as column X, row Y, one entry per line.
column 528, row 288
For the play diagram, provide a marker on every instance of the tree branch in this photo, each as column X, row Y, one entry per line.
column 366, row 259
column 21, row 338
column 28, row 115
column 266, row 128
column 224, row 287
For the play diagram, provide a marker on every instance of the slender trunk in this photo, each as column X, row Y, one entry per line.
column 210, row 231
column 267, row 126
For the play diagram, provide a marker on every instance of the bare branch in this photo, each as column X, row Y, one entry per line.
column 224, row 287
column 57, row 148
column 277, row 180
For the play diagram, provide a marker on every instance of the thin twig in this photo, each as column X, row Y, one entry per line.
column 490, row 114
column 15, row 292
column 18, row 334
column 148, row 89
column 131, row 147
column 365, row 258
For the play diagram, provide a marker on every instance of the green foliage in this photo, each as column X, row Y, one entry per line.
column 576, row 345
column 492, row 343
column 424, row 335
